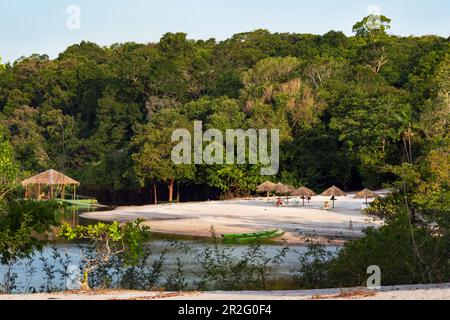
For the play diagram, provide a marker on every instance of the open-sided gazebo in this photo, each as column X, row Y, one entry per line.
column 52, row 180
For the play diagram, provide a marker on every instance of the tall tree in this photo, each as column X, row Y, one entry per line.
column 372, row 26
column 153, row 156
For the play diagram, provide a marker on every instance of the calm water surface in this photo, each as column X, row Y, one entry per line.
column 72, row 254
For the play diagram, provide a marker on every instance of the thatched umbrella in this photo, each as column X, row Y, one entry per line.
column 334, row 192
column 291, row 188
column 283, row 189
column 266, row 187
column 303, row 192
column 366, row 193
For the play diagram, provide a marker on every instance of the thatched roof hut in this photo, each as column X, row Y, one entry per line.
column 51, row 179
column 267, row 186
column 283, row 189
column 365, row 194
column 334, row 192
column 303, row 192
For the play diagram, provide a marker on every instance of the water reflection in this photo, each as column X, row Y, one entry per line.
column 71, row 214
column 32, row 277
column 60, row 255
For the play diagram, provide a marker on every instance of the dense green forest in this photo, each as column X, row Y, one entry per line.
column 351, row 110
column 368, row 110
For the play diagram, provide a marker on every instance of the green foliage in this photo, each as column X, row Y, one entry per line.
column 108, row 242
column 27, row 139
column 365, row 110
column 221, row 269
column 372, row 26
column 23, row 228
column 314, row 264
column 234, row 178
column 153, row 159
column 400, row 264
column 105, row 114
column 111, row 239
column 8, row 167
column 270, row 70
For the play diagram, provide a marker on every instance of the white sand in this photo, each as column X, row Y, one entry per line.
column 236, row 216
column 414, row 292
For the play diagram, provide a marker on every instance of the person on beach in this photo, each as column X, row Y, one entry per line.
column 279, row 202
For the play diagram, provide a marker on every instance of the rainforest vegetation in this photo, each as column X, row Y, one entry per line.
column 346, row 108
column 371, row 110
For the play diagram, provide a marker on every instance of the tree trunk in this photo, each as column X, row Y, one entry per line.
column 155, row 196
column 171, row 190
column 178, row 192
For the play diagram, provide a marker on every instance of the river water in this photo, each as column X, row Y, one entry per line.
column 27, row 280
column 31, row 275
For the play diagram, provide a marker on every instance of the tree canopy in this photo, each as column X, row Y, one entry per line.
column 345, row 107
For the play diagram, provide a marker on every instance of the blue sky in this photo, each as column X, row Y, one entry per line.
column 39, row 26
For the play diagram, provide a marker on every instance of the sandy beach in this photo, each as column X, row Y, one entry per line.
column 300, row 222
column 411, row 292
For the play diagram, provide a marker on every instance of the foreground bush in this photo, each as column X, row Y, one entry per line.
column 108, row 242
column 391, row 248
column 24, row 226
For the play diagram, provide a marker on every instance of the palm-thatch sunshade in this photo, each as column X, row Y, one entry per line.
column 283, row 189
column 266, row 187
column 303, row 192
column 366, row 193
column 291, row 188
column 50, row 178
column 334, row 192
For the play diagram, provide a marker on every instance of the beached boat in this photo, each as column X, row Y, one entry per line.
column 80, row 202
column 252, row 237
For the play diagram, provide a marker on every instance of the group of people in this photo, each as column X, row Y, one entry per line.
column 327, row 204
column 280, row 202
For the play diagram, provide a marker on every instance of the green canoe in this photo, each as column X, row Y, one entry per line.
column 80, row 203
column 252, row 237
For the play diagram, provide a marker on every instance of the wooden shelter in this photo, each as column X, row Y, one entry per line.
column 53, row 180
column 334, row 192
column 303, row 192
column 266, row 187
column 366, row 193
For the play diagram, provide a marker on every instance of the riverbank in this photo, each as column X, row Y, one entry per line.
column 411, row 292
column 301, row 223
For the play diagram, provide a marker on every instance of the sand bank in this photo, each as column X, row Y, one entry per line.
column 343, row 222
column 413, row 292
